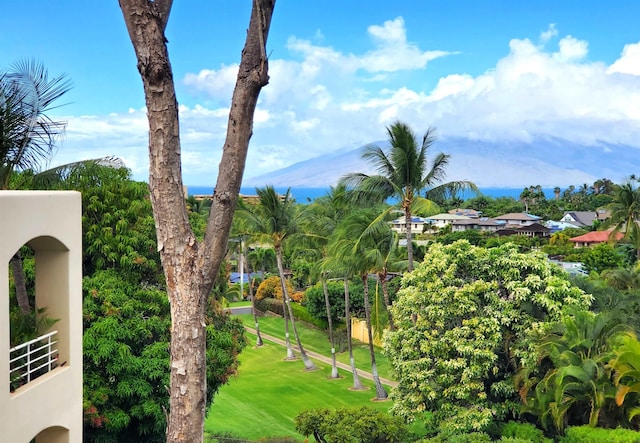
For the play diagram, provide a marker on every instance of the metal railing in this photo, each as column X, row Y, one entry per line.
column 32, row 359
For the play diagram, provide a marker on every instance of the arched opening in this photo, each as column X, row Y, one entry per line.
column 54, row 434
column 38, row 310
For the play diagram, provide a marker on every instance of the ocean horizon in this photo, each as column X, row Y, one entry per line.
column 308, row 195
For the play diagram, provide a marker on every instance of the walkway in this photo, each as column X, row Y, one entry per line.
column 323, row 359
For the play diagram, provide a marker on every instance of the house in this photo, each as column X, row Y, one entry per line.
column 532, row 230
column 518, row 218
column 444, row 219
column 594, row 238
column 42, row 399
column 481, row 224
column 580, row 219
column 471, row 213
column 557, row 226
column 417, row 224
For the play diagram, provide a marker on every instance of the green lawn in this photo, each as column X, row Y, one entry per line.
column 316, row 340
column 268, row 393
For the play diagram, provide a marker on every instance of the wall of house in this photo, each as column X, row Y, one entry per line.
column 48, row 408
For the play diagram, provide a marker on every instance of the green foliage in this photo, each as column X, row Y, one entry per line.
column 575, row 383
column 314, row 300
column 471, row 437
column 271, row 287
column 522, row 431
column 463, row 319
column 602, row 257
column 126, row 358
column 301, row 313
column 350, row 425
column 473, row 236
column 582, row 434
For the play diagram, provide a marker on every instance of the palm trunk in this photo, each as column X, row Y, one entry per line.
column 407, row 227
column 308, row 364
column 382, row 278
column 253, row 306
column 287, row 337
column 381, row 394
column 19, row 281
column 334, row 366
column 357, row 384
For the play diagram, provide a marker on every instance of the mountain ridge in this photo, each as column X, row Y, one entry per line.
column 547, row 162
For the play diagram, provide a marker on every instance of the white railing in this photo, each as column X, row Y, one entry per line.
column 33, row 359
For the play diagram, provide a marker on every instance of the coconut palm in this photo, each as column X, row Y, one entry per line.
column 319, row 222
column 358, row 242
column 275, row 220
column 404, row 173
column 625, row 213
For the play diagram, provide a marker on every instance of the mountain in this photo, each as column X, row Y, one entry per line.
column 546, row 162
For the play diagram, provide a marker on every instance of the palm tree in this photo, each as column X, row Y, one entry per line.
column 27, row 134
column 357, row 243
column 405, row 172
column 275, row 220
column 320, row 221
column 556, row 192
column 625, row 213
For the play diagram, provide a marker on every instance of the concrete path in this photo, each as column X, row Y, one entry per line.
column 323, row 358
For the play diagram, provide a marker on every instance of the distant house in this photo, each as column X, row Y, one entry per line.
column 603, row 214
column 444, row 219
column 532, row 230
column 481, row 224
column 471, row 213
column 580, row 219
column 557, row 226
column 594, row 238
column 518, row 218
column 417, row 224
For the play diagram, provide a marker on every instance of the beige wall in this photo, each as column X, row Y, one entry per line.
column 50, row 407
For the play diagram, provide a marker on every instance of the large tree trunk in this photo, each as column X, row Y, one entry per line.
column 382, row 278
column 357, row 384
column 189, row 267
column 308, row 364
column 327, row 304
column 381, row 394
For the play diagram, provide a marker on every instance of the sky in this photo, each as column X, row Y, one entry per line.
column 340, row 73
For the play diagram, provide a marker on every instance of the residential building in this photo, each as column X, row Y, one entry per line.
column 417, row 224
column 580, row 219
column 518, row 218
column 594, row 238
column 444, row 219
column 531, row 230
column 481, row 224
column 471, row 213
column 42, row 399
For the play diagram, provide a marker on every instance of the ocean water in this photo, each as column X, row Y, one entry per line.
column 307, row 195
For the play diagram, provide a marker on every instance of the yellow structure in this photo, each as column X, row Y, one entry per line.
column 49, row 407
column 359, row 331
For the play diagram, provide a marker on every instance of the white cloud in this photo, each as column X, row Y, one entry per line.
column 320, row 99
column 629, row 62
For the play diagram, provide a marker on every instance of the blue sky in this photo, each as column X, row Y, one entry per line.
column 341, row 71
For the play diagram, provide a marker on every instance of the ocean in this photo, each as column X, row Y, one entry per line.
column 307, row 195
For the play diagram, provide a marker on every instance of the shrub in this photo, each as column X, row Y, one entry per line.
column 270, row 305
column 582, row 434
column 272, row 288
column 301, row 313
column 472, row 437
column 314, row 300
column 297, row 296
column 514, row 431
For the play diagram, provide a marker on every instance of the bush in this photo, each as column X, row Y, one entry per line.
column 514, row 431
column 587, row 434
column 270, row 305
column 272, row 288
column 301, row 313
column 297, row 296
column 314, row 300
column 472, row 437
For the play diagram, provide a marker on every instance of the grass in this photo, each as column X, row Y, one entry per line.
column 316, row 340
column 269, row 392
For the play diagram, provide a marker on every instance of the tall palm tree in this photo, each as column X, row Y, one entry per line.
column 320, row 221
column 275, row 220
column 357, row 241
column 404, row 173
column 625, row 214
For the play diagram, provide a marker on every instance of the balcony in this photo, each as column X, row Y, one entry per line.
column 32, row 359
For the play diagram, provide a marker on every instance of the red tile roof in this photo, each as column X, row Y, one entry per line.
column 595, row 237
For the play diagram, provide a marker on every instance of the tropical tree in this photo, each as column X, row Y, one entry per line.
column 404, row 173
column 625, row 213
column 275, row 220
column 358, row 243
column 190, row 266
column 319, row 222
